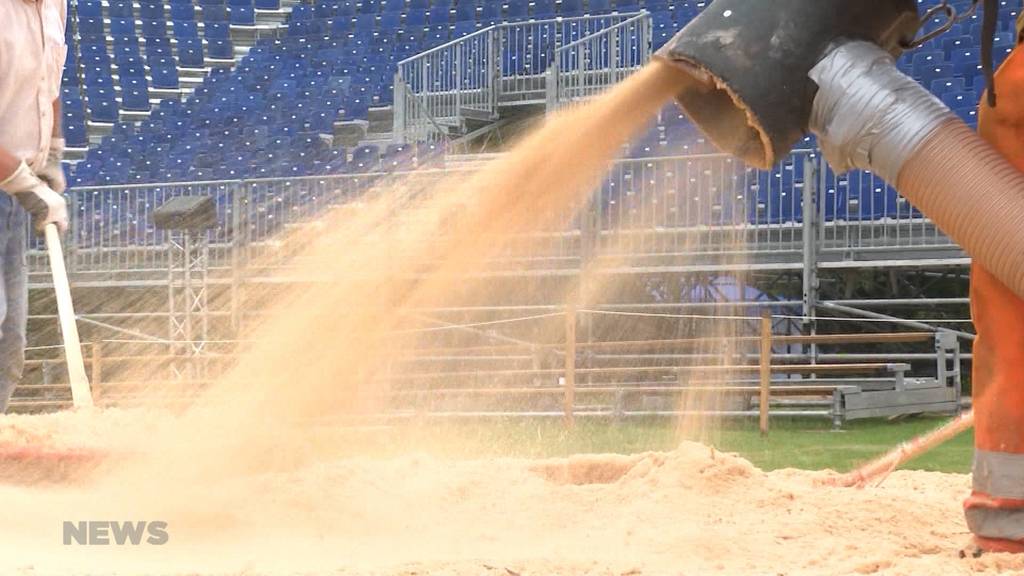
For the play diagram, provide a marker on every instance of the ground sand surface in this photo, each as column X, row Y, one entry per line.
column 691, row 511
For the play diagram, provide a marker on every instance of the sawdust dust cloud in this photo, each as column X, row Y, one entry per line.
column 369, row 266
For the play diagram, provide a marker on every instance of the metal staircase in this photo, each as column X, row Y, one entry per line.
column 469, row 86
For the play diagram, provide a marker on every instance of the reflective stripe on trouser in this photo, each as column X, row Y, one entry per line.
column 13, row 297
column 995, row 509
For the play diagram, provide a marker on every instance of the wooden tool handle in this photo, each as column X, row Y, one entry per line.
column 80, row 394
column 884, row 465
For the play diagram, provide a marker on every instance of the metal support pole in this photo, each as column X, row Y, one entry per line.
column 186, row 288
column 570, row 364
column 457, row 65
column 494, row 70
column 614, row 59
column 811, row 230
column 398, row 120
column 766, row 368
column 237, row 190
column 188, row 300
column 96, row 376
column 893, row 319
column 551, row 86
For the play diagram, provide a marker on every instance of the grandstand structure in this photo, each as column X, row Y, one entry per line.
column 279, row 109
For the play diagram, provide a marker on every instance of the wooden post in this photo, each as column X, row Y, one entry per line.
column 766, row 367
column 570, row 364
column 97, row 367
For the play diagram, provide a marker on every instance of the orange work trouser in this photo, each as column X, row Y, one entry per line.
column 995, row 509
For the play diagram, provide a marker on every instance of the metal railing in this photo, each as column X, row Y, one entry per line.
column 590, row 65
column 708, row 211
column 469, row 79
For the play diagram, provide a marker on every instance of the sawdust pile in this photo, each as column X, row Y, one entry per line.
column 256, row 478
column 692, row 511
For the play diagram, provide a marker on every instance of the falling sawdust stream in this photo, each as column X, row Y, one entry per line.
column 319, row 354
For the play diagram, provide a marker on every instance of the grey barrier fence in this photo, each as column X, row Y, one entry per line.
column 656, row 210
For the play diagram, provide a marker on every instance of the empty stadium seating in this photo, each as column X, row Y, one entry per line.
column 336, row 59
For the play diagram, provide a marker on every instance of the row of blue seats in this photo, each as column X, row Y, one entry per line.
column 211, row 10
column 731, row 194
column 276, row 71
column 126, row 27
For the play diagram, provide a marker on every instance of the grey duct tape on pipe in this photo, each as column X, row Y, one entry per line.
column 867, row 113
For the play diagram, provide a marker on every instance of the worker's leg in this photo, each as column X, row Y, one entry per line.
column 13, row 298
column 995, row 510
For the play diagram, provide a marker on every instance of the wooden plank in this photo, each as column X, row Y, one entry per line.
column 68, row 325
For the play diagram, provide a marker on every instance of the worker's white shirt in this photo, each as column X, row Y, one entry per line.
column 32, row 54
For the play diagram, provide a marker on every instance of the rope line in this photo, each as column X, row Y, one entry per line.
column 479, row 324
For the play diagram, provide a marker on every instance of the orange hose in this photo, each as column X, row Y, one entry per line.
column 974, row 195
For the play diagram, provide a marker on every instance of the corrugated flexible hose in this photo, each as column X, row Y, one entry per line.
column 974, row 195
column 869, row 115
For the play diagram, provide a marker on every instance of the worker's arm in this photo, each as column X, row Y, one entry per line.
column 8, row 164
column 39, row 192
column 58, row 126
column 53, row 171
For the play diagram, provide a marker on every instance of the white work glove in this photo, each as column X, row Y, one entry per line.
column 53, row 172
column 38, row 199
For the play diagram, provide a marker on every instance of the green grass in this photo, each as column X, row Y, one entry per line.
column 809, row 445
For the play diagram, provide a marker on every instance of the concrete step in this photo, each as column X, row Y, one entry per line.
column 350, row 133
column 382, row 120
column 470, row 161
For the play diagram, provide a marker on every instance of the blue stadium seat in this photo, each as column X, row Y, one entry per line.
column 101, row 105
column 135, row 94
column 121, row 9
column 151, row 10
column 190, row 53
column 243, row 14
column 90, row 9
column 185, row 29
column 122, row 27
column 186, row 12
column 220, row 49
column 91, row 28
column 216, row 31
column 215, row 13
column 154, row 28
column 164, row 73
column 365, row 159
